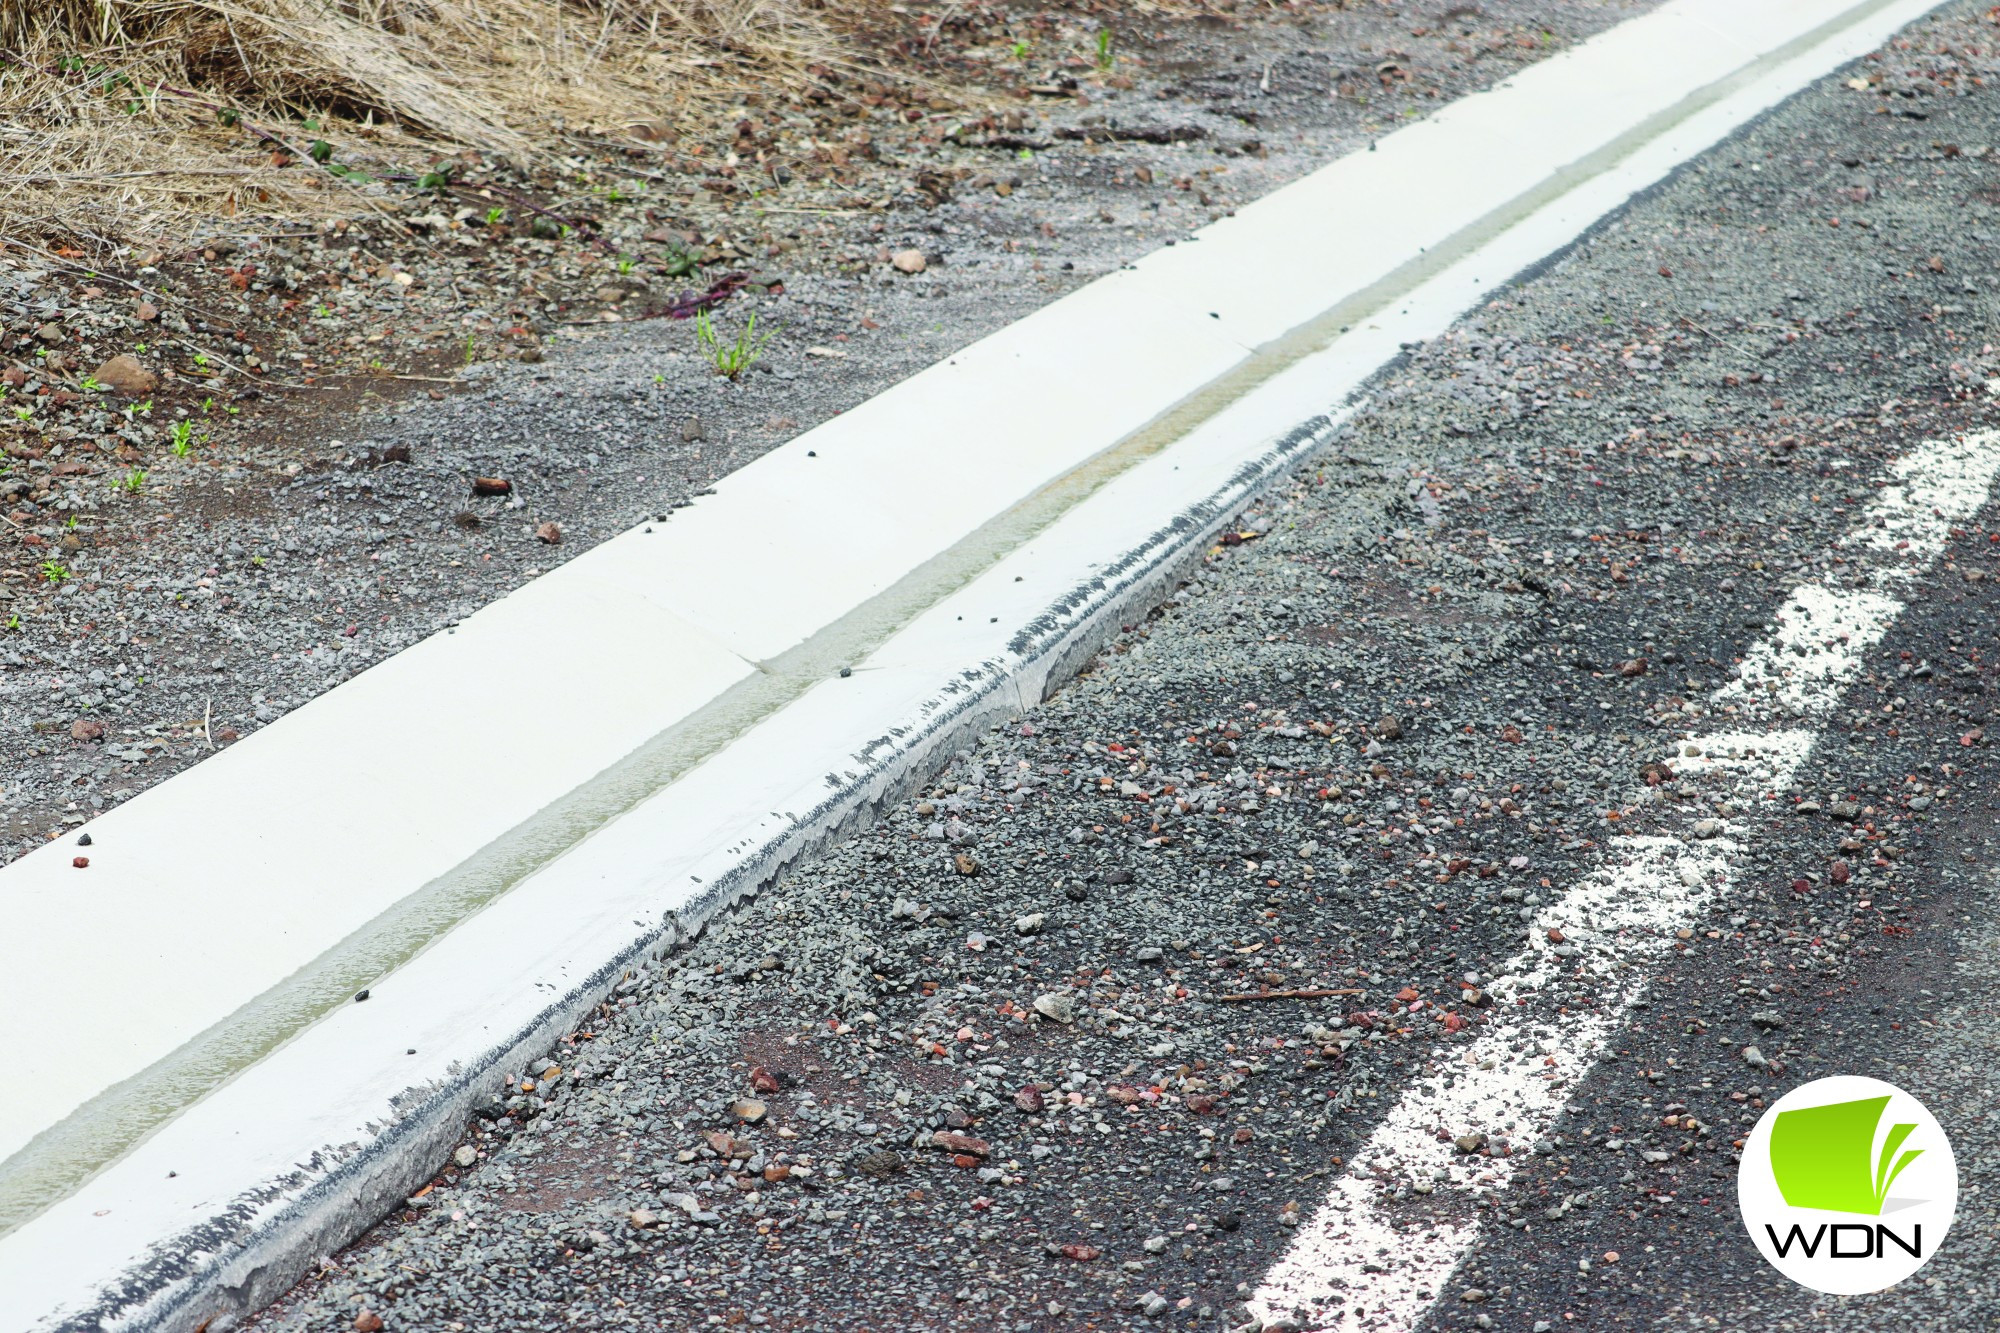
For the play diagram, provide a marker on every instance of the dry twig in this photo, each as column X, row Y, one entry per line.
column 1310, row 993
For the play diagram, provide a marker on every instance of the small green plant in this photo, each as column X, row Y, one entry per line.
column 54, row 571
column 1106, row 58
column 730, row 359
column 70, row 524
column 679, row 260
column 320, row 151
column 624, row 265
column 14, row 621
column 468, row 348
column 133, row 482
column 207, row 406
column 495, row 216
column 144, row 409
column 89, row 384
column 325, row 311
column 23, row 413
column 201, row 360
column 183, row 438
column 1020, row 50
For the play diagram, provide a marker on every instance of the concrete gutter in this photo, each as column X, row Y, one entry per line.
column 490, row 830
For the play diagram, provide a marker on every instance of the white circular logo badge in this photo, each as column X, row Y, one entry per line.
column 1847, row 1185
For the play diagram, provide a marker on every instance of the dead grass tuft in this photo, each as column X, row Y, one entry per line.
column 135, row 119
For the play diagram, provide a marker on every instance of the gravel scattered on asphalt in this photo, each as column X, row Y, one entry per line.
column 1277, row 831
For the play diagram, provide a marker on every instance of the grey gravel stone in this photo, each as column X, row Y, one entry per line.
column 1056, row 1006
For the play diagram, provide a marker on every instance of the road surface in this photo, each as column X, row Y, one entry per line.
column 1406, row 921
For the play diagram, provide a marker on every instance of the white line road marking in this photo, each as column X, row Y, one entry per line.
column 1377, row 1253
column 1794, row 673
column 1791, row 674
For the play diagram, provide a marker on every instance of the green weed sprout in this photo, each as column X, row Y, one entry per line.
column 730, row 359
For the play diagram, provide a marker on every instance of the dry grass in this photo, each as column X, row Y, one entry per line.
column 130, row 120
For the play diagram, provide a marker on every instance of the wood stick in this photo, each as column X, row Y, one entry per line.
column 1314, row 993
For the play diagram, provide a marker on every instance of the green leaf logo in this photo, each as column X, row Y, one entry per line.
column 1824, row 1156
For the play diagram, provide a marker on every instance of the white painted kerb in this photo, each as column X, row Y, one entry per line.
column 266, row 855
column 214, row 887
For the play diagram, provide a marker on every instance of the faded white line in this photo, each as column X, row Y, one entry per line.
column 1807, row 661
column 1378, row 1251
column 1822, row 632
column 1932, row 490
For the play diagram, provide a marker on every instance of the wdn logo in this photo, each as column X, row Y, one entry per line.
column 1834, row 1152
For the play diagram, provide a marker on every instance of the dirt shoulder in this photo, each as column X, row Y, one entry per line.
column 240, row 470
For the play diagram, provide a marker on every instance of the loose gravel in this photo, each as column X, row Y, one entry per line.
column 1076, row 1035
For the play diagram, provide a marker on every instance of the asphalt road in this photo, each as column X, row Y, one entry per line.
column 1026, row 1055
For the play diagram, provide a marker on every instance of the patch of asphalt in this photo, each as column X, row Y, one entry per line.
column 1887, row 976
column 233, row 588
column 1926, row 1026
column 1352, row 754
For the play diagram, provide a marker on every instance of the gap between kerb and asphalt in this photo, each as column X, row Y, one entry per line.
column 66, row 1155
column 109, row 1124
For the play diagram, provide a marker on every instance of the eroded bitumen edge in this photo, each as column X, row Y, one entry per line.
column 250, row 1251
